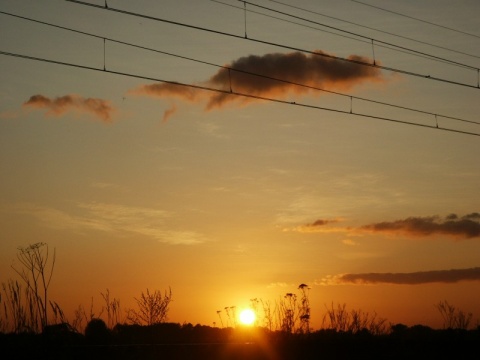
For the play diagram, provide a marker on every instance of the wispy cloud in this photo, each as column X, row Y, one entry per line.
column 278, row 285
column 413, row 278
column 296, row 67
column 107, row 185
column 349, row 242
column 100, row 108
column 58, row 219
column 169, row 112
column 457, row 227
column 114, row 218
column 9, row 114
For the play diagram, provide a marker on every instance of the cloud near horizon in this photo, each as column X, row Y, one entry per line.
column 464, row 227
column 458, row 227
column 413, row 278
column 102, row 109
column 296, row 67
column 316, row 226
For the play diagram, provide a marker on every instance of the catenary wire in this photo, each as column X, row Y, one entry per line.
column 234, row 93
column 363, row 36
column 341, row 35
column 238, row 70
column 289, row 21
column 375, row 29
column 223, row 33
column 417, row 19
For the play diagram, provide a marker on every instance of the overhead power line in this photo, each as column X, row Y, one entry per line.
column 229, row 68
column 375, row 29
column 417, row 19
column 234, row 93
column 291, row 22
column 364, row 37
column 358, row 62
column 346, row 36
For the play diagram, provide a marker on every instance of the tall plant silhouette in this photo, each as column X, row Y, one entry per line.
column 152, row 308
column 304, row 309
column 36, row 271
column 219, row 313
column 453, row 318
column 288, row 312
column 353, row 321
column 112, row 306
column 19, row 309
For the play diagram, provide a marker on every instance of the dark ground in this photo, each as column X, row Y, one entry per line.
column 182, row 342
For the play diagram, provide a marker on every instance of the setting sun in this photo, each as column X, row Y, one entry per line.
column 247, row 317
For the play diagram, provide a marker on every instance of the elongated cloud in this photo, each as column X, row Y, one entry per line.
column 458, row 227
column 8, row 115
column 464, row 227
column 100, row 108
column 318, row 225
column 312, row 70
column 413, row 278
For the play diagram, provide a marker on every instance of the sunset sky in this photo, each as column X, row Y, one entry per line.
column 216, row 147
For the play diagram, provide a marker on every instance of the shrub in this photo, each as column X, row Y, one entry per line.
column 97, row 332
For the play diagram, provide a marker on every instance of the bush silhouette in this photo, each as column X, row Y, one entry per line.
column 97, row 332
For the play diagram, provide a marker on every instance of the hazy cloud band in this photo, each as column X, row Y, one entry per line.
column 458, row 227
column 421, row 277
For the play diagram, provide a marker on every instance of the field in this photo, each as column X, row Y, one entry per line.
column 175, row 341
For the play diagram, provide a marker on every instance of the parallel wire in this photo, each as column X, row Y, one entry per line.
column 345, row 36
column 358, row 62
column 234, row 93
column 363, row 36
column 375, row 29
column 235, row 69
column 417, row 19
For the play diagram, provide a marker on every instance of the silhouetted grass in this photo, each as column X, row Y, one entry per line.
column 282, row 331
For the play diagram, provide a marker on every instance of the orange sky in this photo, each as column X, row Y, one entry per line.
column 243, row 155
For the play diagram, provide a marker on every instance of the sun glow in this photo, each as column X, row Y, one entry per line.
column 247, row 317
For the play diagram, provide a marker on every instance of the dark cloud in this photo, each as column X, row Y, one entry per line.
column 472, row 216
column 316, row 226
column 464, row 227
column 60, row 105
column 421, row 277
column 296, row 67
column 321, row 222
column 453, row 225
